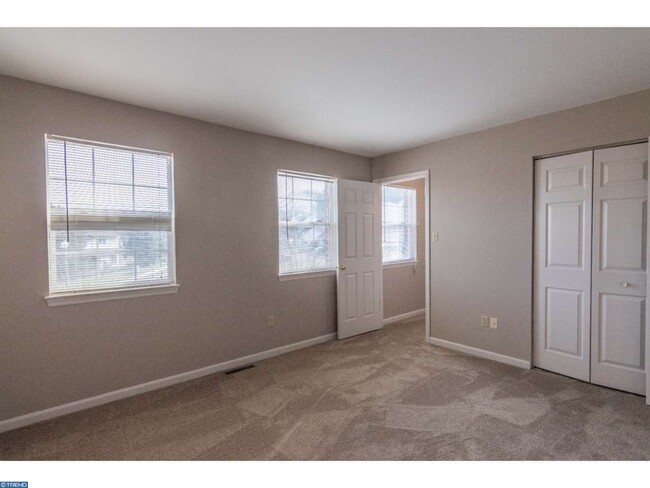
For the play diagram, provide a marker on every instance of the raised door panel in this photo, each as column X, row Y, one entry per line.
column 563, row 179
column 622, row 331
column 368, row 235
column 564, row 326
column 622, row 234
column 350, row 235
column 351, row 288
column 369, row 293
column 616, row 172
column 564, row 230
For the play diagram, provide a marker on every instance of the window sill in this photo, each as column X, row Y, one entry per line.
column 306, row 274
column 400, row 264
column 100, row 296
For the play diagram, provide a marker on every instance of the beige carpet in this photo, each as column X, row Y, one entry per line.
column 383, row 395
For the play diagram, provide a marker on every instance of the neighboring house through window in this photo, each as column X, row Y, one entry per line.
column 306, row 223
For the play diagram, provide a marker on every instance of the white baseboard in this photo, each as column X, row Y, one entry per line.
column 404, row 316
column 482, row 353
column 41, row 415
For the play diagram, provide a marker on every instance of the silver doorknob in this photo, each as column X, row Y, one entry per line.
column 624, row 284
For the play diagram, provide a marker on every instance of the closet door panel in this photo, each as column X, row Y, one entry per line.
column 619, row 267
column 562, row 296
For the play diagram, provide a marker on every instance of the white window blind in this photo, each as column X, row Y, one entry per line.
column 110, row 216
column 399, row 229
column 307, row 231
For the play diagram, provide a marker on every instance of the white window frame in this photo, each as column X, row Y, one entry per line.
column 82, row 296
column 414, row 224
column 333, row 226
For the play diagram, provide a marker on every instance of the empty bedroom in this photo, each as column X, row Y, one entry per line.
column 341, row 243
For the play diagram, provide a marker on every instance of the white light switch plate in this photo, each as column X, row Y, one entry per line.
column 485, row 321
column 434, row 236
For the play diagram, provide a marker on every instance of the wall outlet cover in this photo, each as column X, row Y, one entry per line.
column 493, row 323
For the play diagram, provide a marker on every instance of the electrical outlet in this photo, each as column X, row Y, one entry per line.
column 271, row 321
column 484, row 321
column 493, row 323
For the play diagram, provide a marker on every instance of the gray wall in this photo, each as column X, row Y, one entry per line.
column 481, row 198
column 404, row 289
column 226, row 230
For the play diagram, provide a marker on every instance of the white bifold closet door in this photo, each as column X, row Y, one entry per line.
column 619, row 267
column 590, row 266
column 562, row 302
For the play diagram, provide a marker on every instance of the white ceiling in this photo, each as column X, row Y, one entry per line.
column 364, row 91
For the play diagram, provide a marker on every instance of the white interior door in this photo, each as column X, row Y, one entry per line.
column 619, row 267
column 359, row 281
column 562, row 264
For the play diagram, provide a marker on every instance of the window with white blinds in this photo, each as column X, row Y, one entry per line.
column 111, row 216
column 306, row 223
column 399, row 229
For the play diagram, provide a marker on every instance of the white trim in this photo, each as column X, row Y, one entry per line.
column 50, row 413
column 116, row 294
column 427, row 240
column 405, row 316
column 416, row 175
column 306, row 274
column 401, row 264
column 482, row 353
column 647, row 317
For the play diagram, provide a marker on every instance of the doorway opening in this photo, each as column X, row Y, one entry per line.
column 406, row 249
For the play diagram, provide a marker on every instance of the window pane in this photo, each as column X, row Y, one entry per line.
column 306, row 231
column 399, row 232
column 113, row 166
column 114, row 230
column 108, row 259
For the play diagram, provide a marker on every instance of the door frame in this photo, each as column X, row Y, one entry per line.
column 427, row 241
column 647, row 315
column 532, row 321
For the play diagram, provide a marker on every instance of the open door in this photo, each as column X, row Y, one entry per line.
column 359, row 279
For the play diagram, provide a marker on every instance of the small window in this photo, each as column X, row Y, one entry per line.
column 306, row 223
column 399, row 229
column 110, row 219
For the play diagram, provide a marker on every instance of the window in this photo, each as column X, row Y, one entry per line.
column 399, row 229
column 111, row 217
column 306, row 223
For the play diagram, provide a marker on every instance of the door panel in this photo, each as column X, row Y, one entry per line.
column 562, row 299
column 368, row 235
column 619, row 267
column 351, row 296
column 564, row 242
column 564, row 326
column 350, row 235
column 359, row 280
column 622, row 234
column 621, row 334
